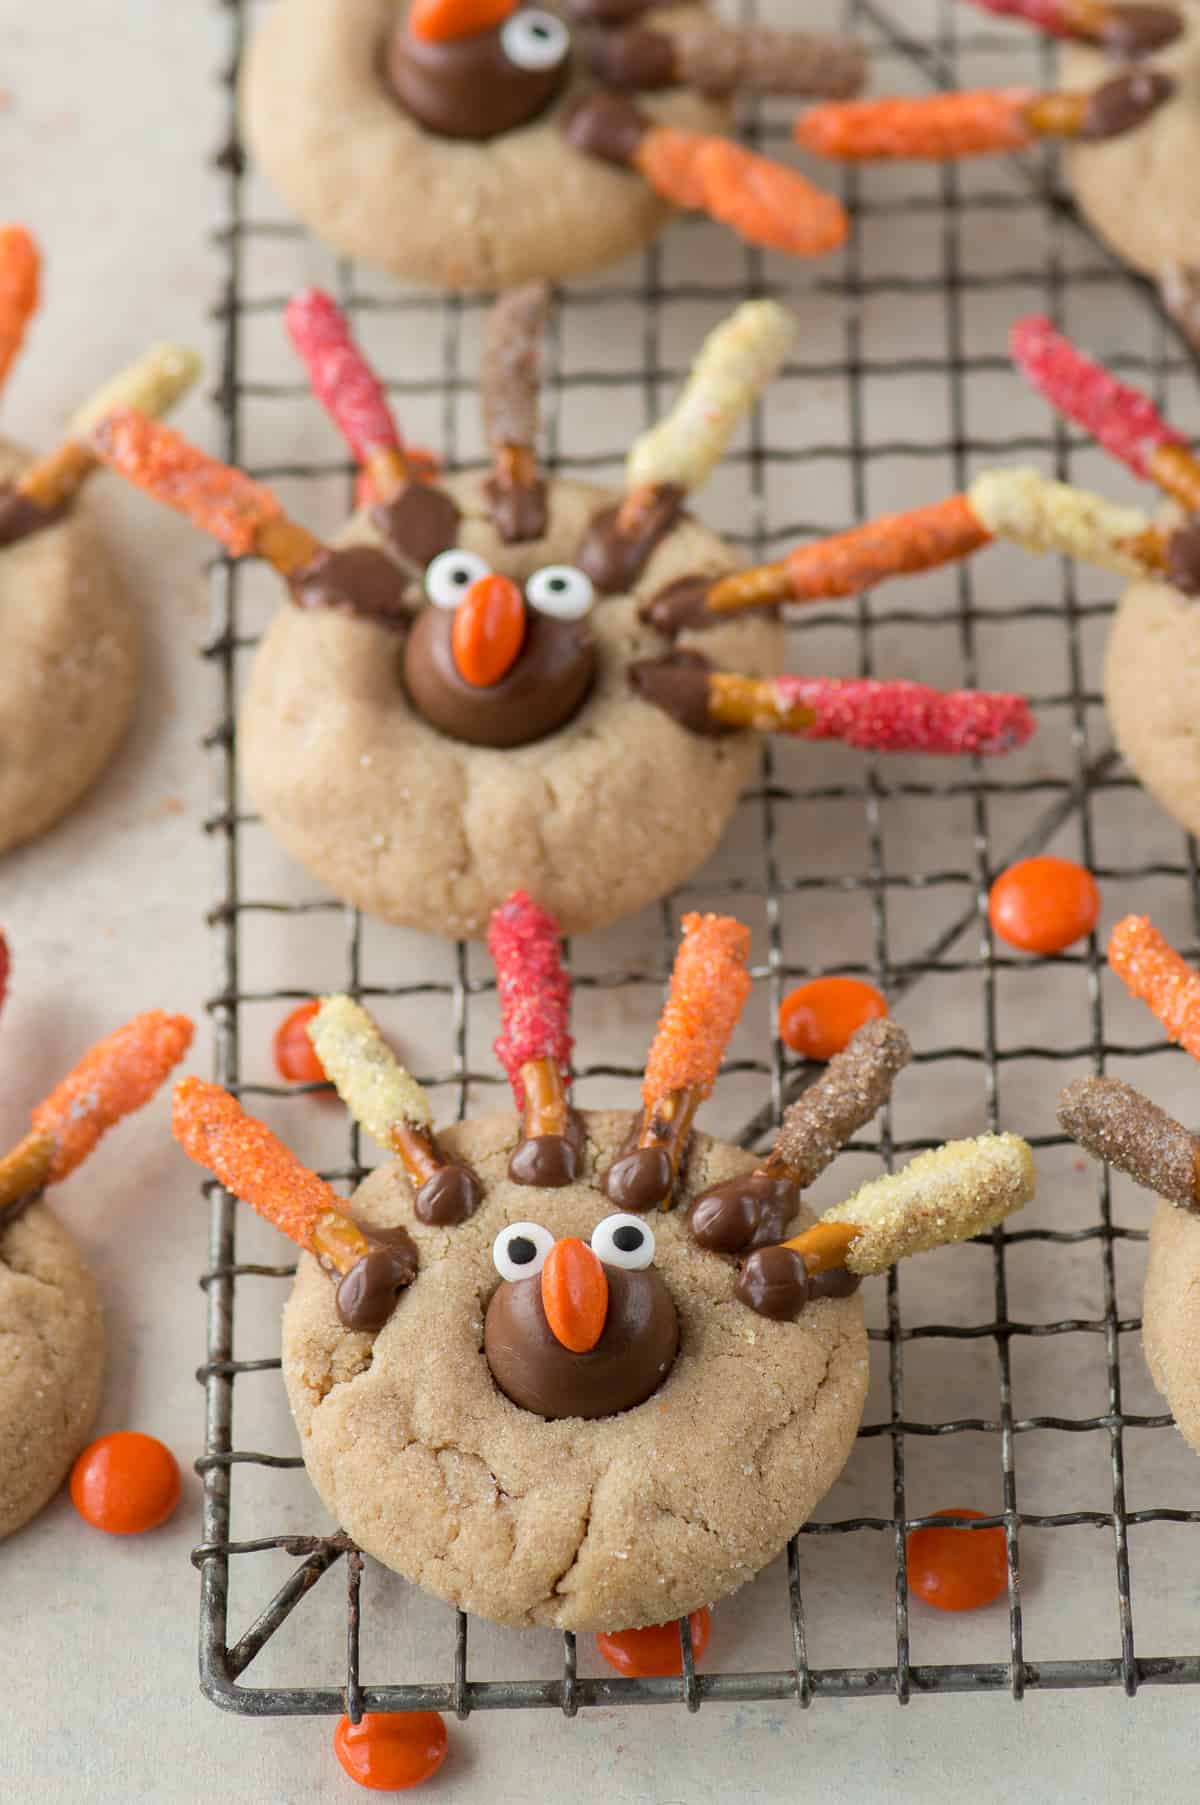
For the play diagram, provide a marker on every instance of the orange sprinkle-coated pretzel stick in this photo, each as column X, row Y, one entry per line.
column 242, row 514
column 214, row 1130
column 941, row 127
column 117, row 1076
column 20, row 284
column 846, row 563
column 1151, row 970
column 709, row 988
column 765, row 203
column 152, row 385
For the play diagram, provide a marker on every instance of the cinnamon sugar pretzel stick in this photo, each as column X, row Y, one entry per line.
column 713, row 58
column 509, row 382
column 243, row 515
column 153, row 385
column 950, row 1194
column 853, row 1087
column 1113, row 1122
column 388, row 1102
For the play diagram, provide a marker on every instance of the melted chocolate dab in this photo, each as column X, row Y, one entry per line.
column 743, row 1213
column 1183, row 559
column 449, row 1198
column 1135, row 30
column 549, row 1161
column 681, row 606
column 1124, row 103
column 20, row 517
column 366, row 1295
column 678, row 684
column 356, row 579
column 418, row 522
column 614, row 561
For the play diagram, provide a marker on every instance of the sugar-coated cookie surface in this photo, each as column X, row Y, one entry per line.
column 596, row 820
column 1171, row 1314
column 612, row 1523
column 365, row 176
column 68, row 673
column 1142, row 191
column 1151, row 679
column 51, row 1361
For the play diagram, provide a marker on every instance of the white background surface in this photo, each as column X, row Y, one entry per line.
column 111, row 113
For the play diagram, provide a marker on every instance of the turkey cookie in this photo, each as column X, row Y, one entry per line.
column 68, row 643
column 51, row 1329
column 477, row 144
column 485, row 683
column 1115, row 1122
column 564, row 1369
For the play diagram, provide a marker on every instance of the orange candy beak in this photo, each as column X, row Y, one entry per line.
column 574, row 1295
column 440, row 21
column 488, row 631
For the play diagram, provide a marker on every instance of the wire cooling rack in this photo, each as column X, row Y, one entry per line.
column 1007, row 1372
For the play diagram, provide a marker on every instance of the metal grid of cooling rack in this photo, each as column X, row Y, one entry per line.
column 944, row 47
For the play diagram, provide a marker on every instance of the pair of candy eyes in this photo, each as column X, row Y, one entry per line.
column 559, row 590
column 519, row 1250
column 534, row 40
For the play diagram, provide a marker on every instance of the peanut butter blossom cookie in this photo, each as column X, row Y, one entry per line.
column 505, row 678
column 587, row 1369
column 69, row 657
column 1115, row 1122
column 51, row 1328
column 478, row 144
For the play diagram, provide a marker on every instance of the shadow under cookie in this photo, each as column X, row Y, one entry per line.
column 588, row 1525
column 68, row 667
column 364, row 176
column 598, row 819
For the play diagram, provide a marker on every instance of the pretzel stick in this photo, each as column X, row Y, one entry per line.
column 1153, row 971
column 214, row 1130
column 348, row 389
column 709, row 988
column 950, row 1194
column 113, row 1079
column 153, row 385
column 1131, row 30
column 509, row 386
column 942, row 127
column 20, row 284
column 243, row 515
column 725, row 59
column 534, row 1044
column 853, row 1087
column 1114, row 1122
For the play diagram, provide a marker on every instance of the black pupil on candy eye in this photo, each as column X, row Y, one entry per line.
column 461, row 577
column 627, row 1239
column 557, row 584
column 521, row 1250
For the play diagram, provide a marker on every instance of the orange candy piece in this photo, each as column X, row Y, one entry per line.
column 389, row 1751
column 488, row 630
column 957, row 1569
column 1044, row 905
column 438, row 21
column 654, row 1653
column 125, row 1483
column 20, row 277
column 819, row 1019
column 295, row 1056
column 574, row 1294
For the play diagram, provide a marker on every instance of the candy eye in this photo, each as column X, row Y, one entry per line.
column 451, row 574
column 534, row 40
column 519, row 1251
column 623, row 1241
column 560, row 591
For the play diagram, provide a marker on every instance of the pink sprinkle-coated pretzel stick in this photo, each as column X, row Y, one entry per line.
column 534, row 1045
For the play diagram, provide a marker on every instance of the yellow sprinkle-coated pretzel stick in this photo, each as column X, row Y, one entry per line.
column 947, row 1195
column 214, row 1130
column 154, row 384
column 381, row 1096
column 735, row 364
column 1043, row 516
